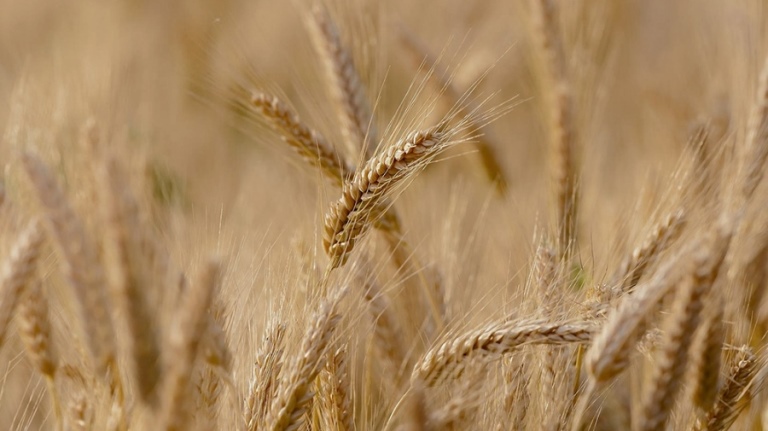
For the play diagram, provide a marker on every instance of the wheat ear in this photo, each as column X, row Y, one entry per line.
column 269, row 363
column 316, row 151
column 756, row 151
column 184, row 340
column 734, row 396
column 35, row 331
column 671, row 362
column 308, row 143
column 129, row 277
column 350, row 217
column 706, row 356
column 348, row 90
column 295, row 392
column 80, row 266
column 17, row 271
column 493, row 341
column 547, row 30
column 336, row 388
column 660, row 238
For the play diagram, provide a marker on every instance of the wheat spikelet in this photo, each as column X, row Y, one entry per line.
column 78, row 419
column 348, row 90
column 349, row 218
column 129, row 278
column 516, row 400
column 295, row 391
column 80, row 265
column 493, row 341
column 452, row 97
column 269, row 363
column 544, row 275
column 547, row 30
column 308, row 143
column 35, row 331
column 671, row 362
column 184, row 341
column 209, row 389
column 336, row 386
column 17, row 271
column 734, row 396
column 457, row 413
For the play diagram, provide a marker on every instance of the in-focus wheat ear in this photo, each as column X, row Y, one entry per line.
column 350, row 217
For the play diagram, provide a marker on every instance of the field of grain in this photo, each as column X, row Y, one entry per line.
column 404, row 215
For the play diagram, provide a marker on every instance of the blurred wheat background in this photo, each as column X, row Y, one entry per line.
column 402, row 215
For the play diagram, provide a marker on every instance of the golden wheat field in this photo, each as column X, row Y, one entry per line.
column 404, row 215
